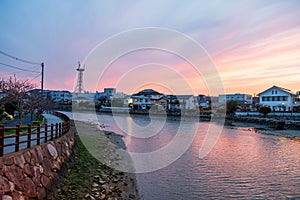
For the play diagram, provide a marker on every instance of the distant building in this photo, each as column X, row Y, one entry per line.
column 244, row 98
column 110, row 91
column 277, row 98
column 58, row 96
column 203, row 101
column 172, row 103
column 108, row 95
column 55, row 95
column 297, row 100
column 187, row 102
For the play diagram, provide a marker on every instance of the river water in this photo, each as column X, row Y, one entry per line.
column 242, row 164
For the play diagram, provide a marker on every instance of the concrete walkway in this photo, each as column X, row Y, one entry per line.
column 49, row 119
column 52, row 119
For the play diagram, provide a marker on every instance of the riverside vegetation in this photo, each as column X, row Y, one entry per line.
column 90, row 179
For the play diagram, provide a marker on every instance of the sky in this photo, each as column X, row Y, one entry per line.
column 253, row 44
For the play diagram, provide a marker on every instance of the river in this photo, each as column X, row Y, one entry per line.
column 242, row 164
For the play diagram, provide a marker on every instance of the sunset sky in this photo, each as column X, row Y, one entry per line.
column 254, row 44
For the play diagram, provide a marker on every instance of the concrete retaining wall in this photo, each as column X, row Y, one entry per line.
column 36, row 173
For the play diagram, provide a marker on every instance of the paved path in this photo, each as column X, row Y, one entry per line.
column 49, row 119
column 15, row 121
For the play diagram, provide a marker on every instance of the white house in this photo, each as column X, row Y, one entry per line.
column 144, row 99
column 55, row 95
column 140, row 102
column 297, row 99
column 58, row 96
column 277, row 98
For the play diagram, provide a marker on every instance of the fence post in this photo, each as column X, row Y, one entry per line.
column 46, row 132
column 38, row 135
column 17, row 144
column 56, row 131
column 60, row 129
column 29, row 136
column 51, row 131
column 1, row 140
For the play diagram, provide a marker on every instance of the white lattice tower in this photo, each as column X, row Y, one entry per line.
column 79, row 85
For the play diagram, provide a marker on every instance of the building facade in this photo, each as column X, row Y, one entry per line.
column 246, row 98
column 277, row 98
column 144, row 99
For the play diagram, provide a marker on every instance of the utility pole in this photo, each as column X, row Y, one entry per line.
column 42, row 83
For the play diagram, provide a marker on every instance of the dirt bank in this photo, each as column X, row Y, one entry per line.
column 89, row 178
column 263, row 129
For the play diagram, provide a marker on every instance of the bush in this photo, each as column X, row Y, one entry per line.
column 265, row 110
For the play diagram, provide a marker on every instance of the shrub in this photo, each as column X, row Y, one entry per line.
column 265, row 110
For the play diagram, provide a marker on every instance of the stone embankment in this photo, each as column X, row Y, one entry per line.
column 36, row 173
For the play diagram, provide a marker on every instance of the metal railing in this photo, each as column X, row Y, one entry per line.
column 22, row 137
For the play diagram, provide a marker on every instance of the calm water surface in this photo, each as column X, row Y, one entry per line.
column 242, row 165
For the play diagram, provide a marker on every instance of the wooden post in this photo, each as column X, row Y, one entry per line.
column 38, row 135
column 1, row 140
column 29, row 136
column 57, row 131
column 17, row 144
column 46, row 132
column 51, row 131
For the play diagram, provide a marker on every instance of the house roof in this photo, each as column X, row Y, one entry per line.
column 148, row 92
column 278, row 88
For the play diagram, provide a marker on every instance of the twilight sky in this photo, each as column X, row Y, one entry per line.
column 254, row 44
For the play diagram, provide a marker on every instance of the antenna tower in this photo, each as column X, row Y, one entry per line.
column 79, row 86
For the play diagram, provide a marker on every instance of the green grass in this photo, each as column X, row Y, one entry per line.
column 80, row 177
column 25, row 128
column 12, row 132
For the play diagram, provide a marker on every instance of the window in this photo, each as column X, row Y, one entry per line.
column 272, row 91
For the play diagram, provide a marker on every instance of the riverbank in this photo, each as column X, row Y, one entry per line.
column 90, row 179
column 264, row 129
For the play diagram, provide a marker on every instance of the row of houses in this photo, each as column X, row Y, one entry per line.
column 277, row 98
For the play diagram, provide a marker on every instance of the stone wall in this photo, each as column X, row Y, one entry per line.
column 36, row 173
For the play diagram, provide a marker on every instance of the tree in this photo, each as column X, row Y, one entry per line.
column 297, row 108
column 265, row 110
column 117, row 102
column 16, row 94
column 39, row 104
column 231, row 107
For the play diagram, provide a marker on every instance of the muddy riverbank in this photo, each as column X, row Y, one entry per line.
column 89, row 178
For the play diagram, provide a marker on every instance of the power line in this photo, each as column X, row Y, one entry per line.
column 35, row 77
column 19, row 59
column 14, row 67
